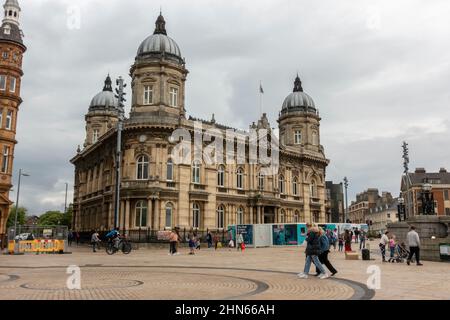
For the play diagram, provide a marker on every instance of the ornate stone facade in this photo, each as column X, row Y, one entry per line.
column 159, row 193
column 11, row 53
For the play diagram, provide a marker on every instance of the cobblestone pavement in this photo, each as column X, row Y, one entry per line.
column 265, row 273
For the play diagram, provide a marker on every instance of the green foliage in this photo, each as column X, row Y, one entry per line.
column 55, row 218
column 21, row 216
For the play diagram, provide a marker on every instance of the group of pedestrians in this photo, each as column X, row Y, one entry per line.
column 317, row 250
column 413, row 241
column 73, row 236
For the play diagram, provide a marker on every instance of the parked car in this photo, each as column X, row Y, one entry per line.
column 25, row 236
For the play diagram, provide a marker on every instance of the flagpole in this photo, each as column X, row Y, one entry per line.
column 260, row 99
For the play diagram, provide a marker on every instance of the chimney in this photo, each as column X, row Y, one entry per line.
column 420, row 170
column 442, row 170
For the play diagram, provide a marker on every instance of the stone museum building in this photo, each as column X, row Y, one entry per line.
column 157, row 192
column 11, row 53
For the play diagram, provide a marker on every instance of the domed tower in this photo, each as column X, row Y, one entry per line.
column 11, row 52
column 103, row 114
column 299, row 121
column 158, row 78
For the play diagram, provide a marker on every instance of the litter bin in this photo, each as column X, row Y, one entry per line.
column 444, row 250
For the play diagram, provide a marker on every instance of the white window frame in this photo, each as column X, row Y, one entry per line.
column 12, row 84
column 221, row 176
column 281, row 184
column 169, row 169
column 240, row 216
column 298, row 137
column 5, row 159
column 196, row 172
column 240, row 179
column 9, row 117
column 141, row 211
column 148, row 94
column 142, row 167
column 95, row 135
column 169, row 213
column 295, row 187
column 173, row 93
column 196, row 215
column 220, row 217
column 3, row 88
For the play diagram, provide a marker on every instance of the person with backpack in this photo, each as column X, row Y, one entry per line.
column 95, row 240
column 114, row 236
column 239, row 241
column 323, row 256
column 312, row 253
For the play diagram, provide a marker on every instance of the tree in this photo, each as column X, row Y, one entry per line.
column 52, row 218
column 21, row 216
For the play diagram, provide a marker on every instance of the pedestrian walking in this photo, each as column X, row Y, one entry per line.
column 70, row 238
column 95, row 240
column 348, row 240
column 357, row 233
column 77, row 237
column 323, row 256
column 209, row 239
column 384, row 241
column 341, row 243
column 239, row 242
column 414, row 246
column 312, row 253
column 216, row 241
column 334, row 237
column 192, row 242
column 173, row 240
column 362, row 240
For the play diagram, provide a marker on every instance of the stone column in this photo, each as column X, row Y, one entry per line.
column 157, row 214
column 250, row 215
column 262, row 215
column 149, row 213
column 127, row 215
column 258, row 215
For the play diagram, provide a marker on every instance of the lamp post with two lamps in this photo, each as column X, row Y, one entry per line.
column 21, row 174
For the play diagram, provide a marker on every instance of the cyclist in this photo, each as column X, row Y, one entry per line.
column 114, row 236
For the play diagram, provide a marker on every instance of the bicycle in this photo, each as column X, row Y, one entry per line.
column 124, row 245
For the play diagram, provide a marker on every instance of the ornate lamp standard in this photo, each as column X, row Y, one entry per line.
column 427, row 199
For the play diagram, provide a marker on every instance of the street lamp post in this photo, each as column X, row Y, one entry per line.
column 65, row 200
column 401, row 209
column 346, row 199
column 120, row 96
column 427, row 199
column 17, row 201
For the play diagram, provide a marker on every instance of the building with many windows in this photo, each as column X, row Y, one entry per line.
column 412, row 188
column 158, row 192
column 11, row 53
column 365, row 201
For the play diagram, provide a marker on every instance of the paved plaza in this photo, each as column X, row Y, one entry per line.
column 264, row 273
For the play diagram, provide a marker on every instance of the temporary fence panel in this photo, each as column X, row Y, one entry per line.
column 285, row 235
column 263, row 235
column 247, row 232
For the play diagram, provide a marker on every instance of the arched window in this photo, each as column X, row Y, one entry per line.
column 240, row 216
column 196, row 172
column 142, row 168
column 169, row 214
column 297, row 137
column 221, row 176
column 283, row 216
column 281, row 184
column 295, row 186
column 260, row 181
column 141, row 213
column 296, row 217
column 195, row 215
column 170, row 170
column 240, row 178
column 313, row 189
column 220, row 217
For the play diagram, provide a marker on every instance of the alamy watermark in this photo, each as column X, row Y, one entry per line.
column 74, row 280
column 215, row 146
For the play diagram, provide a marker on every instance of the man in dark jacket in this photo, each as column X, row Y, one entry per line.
column 323, row 256
column 312, row 254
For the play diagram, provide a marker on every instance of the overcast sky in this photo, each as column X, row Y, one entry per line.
column 379, row 72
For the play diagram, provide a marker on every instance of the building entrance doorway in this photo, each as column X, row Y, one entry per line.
column 269, row 215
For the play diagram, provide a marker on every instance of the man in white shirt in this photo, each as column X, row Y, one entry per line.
column 414, row 245
column 383, row 242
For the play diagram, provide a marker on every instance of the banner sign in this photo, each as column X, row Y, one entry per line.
column 37, row 246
